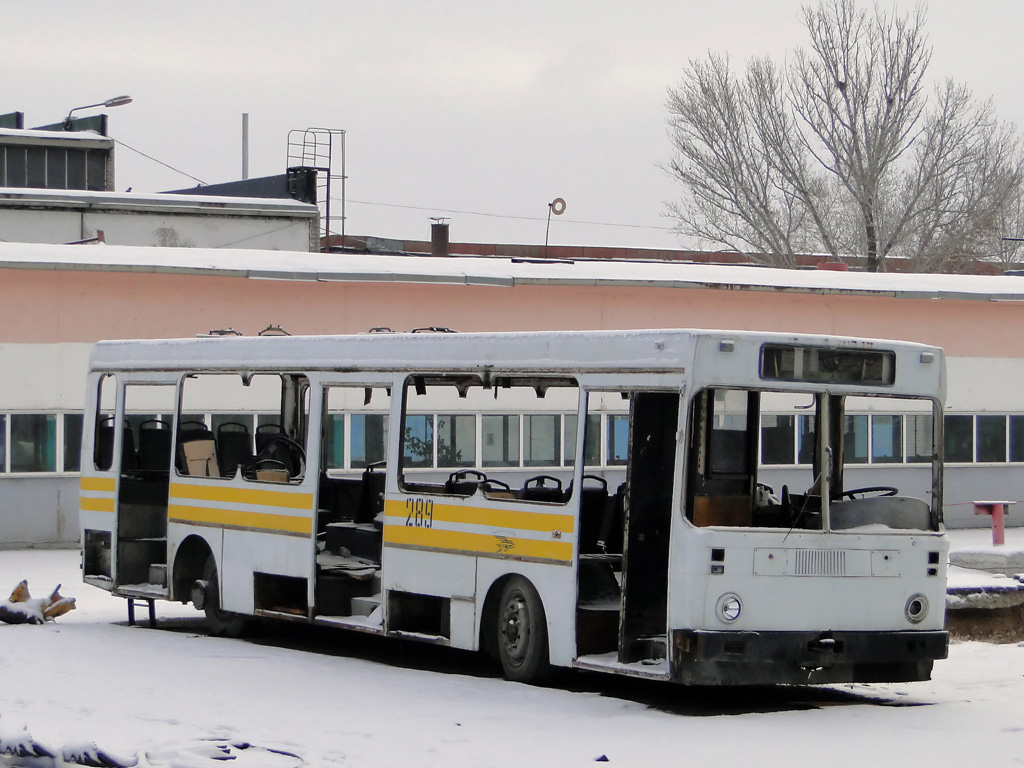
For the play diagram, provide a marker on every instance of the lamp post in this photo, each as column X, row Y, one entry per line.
column 117, row 101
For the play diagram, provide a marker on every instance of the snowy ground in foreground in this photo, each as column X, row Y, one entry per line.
column 337, row 699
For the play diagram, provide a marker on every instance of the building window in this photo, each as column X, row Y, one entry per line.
column 369, row 438
column 959, row 438
column 456, row 440
column 33, row 442
column 541, row 440
column 73, row 442
column 991, row 438
column 618, row 438
column 919, row 438
column 418, row 445
column 1017, row 438
column 855, row 439
column 805, row 439
column 591, row 440
column 334, row 441
column 886, row 439
column 500, row 437
column 3, row 442
column 777, row 439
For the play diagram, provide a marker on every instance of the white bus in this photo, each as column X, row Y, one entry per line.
column 558, row 499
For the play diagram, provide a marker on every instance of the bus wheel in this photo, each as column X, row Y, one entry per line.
column 221, row 623
column 522, row 633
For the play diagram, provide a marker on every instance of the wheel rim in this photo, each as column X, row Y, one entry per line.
column 515, row 629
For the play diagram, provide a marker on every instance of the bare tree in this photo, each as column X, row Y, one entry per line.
column 845, row 150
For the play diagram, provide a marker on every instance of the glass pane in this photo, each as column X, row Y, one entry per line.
column 919, row 438
column 618, row 438
column 805, row 439
column 73, row 442
column 591, row 440
column 36, row 167
column 418, row 447
column 500, row 440
column 886, row 439
column 569, row 438
column 541, row 437
column 16, row 167
column 3, row 442
column 456, row 440
column 991, row 431
column 1017, row 438
column 777, row 439
column 959, row 438
column 76, row 168
column 334, row 440
column 56, row 169
column 855, row 439
column 33, row 442
column 96, row 161
column 263, row 419
column 369, row 438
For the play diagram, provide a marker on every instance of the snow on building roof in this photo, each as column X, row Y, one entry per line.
column 497, row 271
column 163, row 202
column 87, row 139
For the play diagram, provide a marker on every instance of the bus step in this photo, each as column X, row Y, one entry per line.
column 649, row 648
column 158, row 574
column 364, row 606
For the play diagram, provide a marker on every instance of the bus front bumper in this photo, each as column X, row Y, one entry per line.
column 756, row 658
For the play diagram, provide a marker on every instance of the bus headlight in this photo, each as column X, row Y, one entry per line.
column 729, row 607
column 916, row 608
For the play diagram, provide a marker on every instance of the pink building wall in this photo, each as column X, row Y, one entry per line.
column 46, row 306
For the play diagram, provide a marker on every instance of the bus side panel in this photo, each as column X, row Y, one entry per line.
column 556, row 586
column 689, row 570
column 444, row 575
column 247, row 553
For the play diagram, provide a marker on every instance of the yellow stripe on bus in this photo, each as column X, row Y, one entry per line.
column 477, row 543
column 487, row 516
column 93, row 504
column 234, row 518
column 234, row 495
column 107, row 484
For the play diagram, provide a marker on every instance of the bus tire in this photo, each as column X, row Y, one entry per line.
column 221, row 623
column 522, row 635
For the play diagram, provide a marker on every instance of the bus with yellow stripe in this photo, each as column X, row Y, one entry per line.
column 557, row 499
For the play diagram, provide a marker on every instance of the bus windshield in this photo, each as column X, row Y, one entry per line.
column 812, row 461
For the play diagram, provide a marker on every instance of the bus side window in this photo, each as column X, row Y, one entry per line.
column 500, row 437
column 723, row 457
column 259, row 426
column 103, row 439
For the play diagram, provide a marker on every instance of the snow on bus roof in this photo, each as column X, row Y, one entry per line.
column 499, row 271
column 651, row 349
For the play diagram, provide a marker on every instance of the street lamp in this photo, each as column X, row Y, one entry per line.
column 117, row 101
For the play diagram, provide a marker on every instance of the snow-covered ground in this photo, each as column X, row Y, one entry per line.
column 173, row 696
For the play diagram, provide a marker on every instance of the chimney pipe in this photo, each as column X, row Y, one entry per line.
column 439, row 236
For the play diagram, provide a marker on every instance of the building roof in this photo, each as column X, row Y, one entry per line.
column 498, row 271
column 139, row 202
column 83, row 139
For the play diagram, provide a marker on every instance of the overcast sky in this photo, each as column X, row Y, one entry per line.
column 455, row 109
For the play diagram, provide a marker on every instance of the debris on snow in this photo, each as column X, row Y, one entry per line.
column 22, row 608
